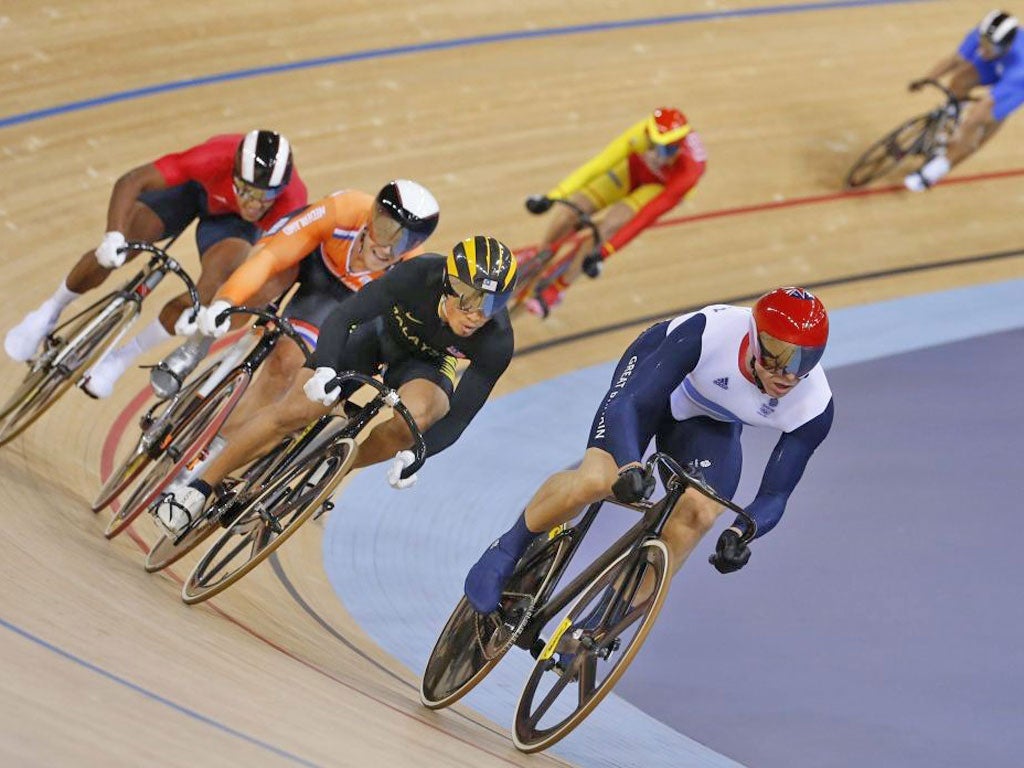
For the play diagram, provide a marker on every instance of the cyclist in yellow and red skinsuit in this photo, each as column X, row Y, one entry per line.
column 643, row 173
column 331, row 248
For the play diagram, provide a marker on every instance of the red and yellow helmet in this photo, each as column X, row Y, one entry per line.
column 667, row 125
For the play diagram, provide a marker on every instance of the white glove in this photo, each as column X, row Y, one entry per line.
column 187, row 323
column 107, row 253
column 207, row 320
column 402, row 460
column 315, row 388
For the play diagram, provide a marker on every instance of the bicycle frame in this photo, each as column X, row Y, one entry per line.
column 152, row 423
column 655, row 515
column 552, row 265
column 924, row 135
column 273, row 328
column 359, row 417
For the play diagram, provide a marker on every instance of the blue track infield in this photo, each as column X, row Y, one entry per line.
column 866, row 629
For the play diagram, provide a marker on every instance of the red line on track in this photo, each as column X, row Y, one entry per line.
column 831, row 197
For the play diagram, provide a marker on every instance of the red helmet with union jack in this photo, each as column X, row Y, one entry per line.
column 789, row 330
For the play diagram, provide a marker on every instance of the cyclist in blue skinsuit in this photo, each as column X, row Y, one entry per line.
column 990, row 55
column 690, row 384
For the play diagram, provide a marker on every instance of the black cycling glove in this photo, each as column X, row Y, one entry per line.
column 538, row 203
column 633, row 485
column 730, row 553
column 592, row 263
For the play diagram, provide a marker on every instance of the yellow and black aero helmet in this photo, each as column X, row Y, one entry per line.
column 481, row 273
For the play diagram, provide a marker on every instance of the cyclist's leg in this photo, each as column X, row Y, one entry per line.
column 251, row 438
column 565, row 493
column 558, row 500
column 981, row 120
column 564, row 219
column 22, row 341
column 984, row 117
column 977, row 123
column 712, row 450
column 318, row 294
column 426, row 388
column 427, row 403
column 612, row 217
column 561, row 497
column 248, row 440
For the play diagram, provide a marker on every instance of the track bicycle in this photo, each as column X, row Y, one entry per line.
column 615, row 601
column 199, row 417
column 922, row 136
column 73, row 346
column 538, row 268
column 293, row 484
column 160, row 419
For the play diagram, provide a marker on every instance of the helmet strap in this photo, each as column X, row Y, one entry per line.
column 757, row 379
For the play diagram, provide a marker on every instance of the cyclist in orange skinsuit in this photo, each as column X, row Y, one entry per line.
column 331, row 248
column 645, row 172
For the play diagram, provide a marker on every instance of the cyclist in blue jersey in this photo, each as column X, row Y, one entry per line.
column 690, row 384
column 991, row 55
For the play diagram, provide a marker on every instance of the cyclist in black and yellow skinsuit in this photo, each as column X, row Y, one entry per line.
column 415, row 322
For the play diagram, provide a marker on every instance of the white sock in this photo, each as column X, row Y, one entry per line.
column 61, row 298
column 151, row 336
column 935, row 169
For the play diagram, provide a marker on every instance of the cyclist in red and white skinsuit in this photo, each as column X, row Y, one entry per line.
column 644, row 173
column 235, row 186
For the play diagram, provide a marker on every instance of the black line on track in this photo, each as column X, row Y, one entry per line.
column 848, row 279
column 312, row 613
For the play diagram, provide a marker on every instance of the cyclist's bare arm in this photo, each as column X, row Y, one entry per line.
column 943, row 67
column 127, row 189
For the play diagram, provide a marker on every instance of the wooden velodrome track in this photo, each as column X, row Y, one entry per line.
column 101, row 663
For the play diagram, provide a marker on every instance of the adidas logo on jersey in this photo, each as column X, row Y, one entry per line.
column 723, row 382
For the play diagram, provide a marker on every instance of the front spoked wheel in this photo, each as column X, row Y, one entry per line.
column 182, row 445
column 593, row 646
column 884, row 155
column 268, row 519
column 90, row 337
column 471, row 644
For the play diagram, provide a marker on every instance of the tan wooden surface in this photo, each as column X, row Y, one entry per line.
column 784, row 102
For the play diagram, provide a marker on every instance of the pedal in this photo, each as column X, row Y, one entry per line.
column 327, row 506
column 608, row 650
column 83, row 384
